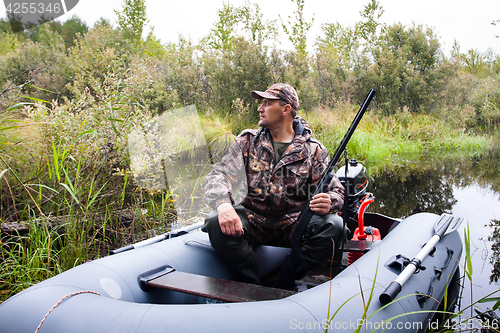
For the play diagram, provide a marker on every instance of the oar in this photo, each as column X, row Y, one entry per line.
column 444, row 225
column 159, row 238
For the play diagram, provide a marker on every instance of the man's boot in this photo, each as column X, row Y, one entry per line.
column 247, row 269
column 288, row 274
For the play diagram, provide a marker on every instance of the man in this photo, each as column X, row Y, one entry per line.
column 281, row 163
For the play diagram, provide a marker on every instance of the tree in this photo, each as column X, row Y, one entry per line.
column 132, row 19
column 343, row 53
column 72, row 29
column 405, row 69
column 297, row 31
column 224, row 30
column 335, row 58
column 229, row 76
column 367, row 28
column 258, row 28
column 232, row 21
column 338, row 42
column 472, row 61
column 69, row 30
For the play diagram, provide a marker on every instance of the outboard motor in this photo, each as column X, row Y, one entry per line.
column 355, row 185
column 357, row 200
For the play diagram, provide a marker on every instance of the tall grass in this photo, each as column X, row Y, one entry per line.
column 72, row 194
column 383, row 141
column 30, row 258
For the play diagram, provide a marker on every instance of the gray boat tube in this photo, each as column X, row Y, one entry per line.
column 446, row 224
column 104, row 295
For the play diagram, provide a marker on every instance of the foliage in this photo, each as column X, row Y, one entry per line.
column 259, row 29
column 8, row 42
column 32, row 65
column 221, row 35
column 69, row 31
column 343, row 54
column 132, row 19
column 84, row 95
column 405, row 68
column 246, row 21
column 370, row 26
column 297, row 28
column 230, row 76
column 495, row 22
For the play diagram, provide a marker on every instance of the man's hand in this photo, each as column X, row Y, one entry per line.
column 320, row 204
column 229, row 221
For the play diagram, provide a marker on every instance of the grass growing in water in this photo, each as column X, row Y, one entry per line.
column 30, row 258
column 393, row 140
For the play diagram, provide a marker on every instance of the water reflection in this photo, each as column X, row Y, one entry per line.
column 428, row 185
column 495, row 248
column 424, row 191
column 468, row 188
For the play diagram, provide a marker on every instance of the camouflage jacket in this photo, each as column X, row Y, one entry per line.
column 273, row 191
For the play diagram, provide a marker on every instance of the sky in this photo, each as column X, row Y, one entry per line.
column 467, row 21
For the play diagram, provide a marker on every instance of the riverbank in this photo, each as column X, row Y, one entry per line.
column 384, row 142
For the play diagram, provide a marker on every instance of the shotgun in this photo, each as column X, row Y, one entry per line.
column 286, row 276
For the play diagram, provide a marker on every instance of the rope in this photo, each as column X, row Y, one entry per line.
column 62, row 300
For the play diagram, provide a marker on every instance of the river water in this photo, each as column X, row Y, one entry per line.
column 469, row 188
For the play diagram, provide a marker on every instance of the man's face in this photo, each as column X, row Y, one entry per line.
column 271, row 113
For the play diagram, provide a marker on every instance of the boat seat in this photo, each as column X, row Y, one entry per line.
column 166, row 277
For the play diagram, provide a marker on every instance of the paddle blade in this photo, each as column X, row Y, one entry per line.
column 447, row 223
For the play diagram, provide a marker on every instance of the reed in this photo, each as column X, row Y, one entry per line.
column 30, row 258
column 381, row 142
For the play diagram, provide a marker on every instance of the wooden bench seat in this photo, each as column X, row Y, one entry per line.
column 209, row 287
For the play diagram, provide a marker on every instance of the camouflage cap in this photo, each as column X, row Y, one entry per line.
column 281, row 91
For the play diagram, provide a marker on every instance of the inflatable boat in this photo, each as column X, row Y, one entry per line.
column 181, row 285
